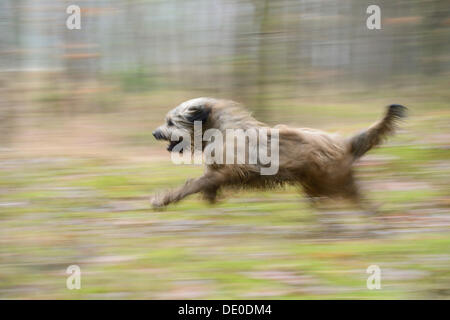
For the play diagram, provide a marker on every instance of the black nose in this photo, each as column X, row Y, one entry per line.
column 157, row 134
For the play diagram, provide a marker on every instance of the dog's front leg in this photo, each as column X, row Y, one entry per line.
column 204, row 183
column 210, row 194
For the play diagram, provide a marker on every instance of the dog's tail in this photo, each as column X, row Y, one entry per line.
column 374, row 135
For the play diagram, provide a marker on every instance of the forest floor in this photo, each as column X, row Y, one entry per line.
column 91, row 209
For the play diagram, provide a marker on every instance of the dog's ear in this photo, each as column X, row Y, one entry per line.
column 198, row 113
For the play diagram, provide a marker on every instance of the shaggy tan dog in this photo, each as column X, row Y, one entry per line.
column 319, row 162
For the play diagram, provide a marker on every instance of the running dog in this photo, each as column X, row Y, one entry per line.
column 319, row 162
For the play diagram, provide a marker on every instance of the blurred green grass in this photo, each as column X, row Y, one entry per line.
column 258, row 248
column 93, row 211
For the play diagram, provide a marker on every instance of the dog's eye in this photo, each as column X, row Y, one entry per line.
column 169, row 123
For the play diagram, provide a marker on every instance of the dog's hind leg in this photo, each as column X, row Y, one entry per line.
column 351, row 191
column 362, row 202
column 370, row 218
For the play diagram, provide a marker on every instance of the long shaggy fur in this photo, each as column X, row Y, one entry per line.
column 373, row 136
column 319, row 162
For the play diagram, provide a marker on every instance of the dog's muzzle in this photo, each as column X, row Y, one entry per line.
column 172, row 144
column 159, row 136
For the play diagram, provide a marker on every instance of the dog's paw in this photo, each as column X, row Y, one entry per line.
column 157, row 202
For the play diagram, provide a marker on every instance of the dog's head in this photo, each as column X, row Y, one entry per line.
column 180, row 120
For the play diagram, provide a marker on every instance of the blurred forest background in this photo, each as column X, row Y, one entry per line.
column 78, row 162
